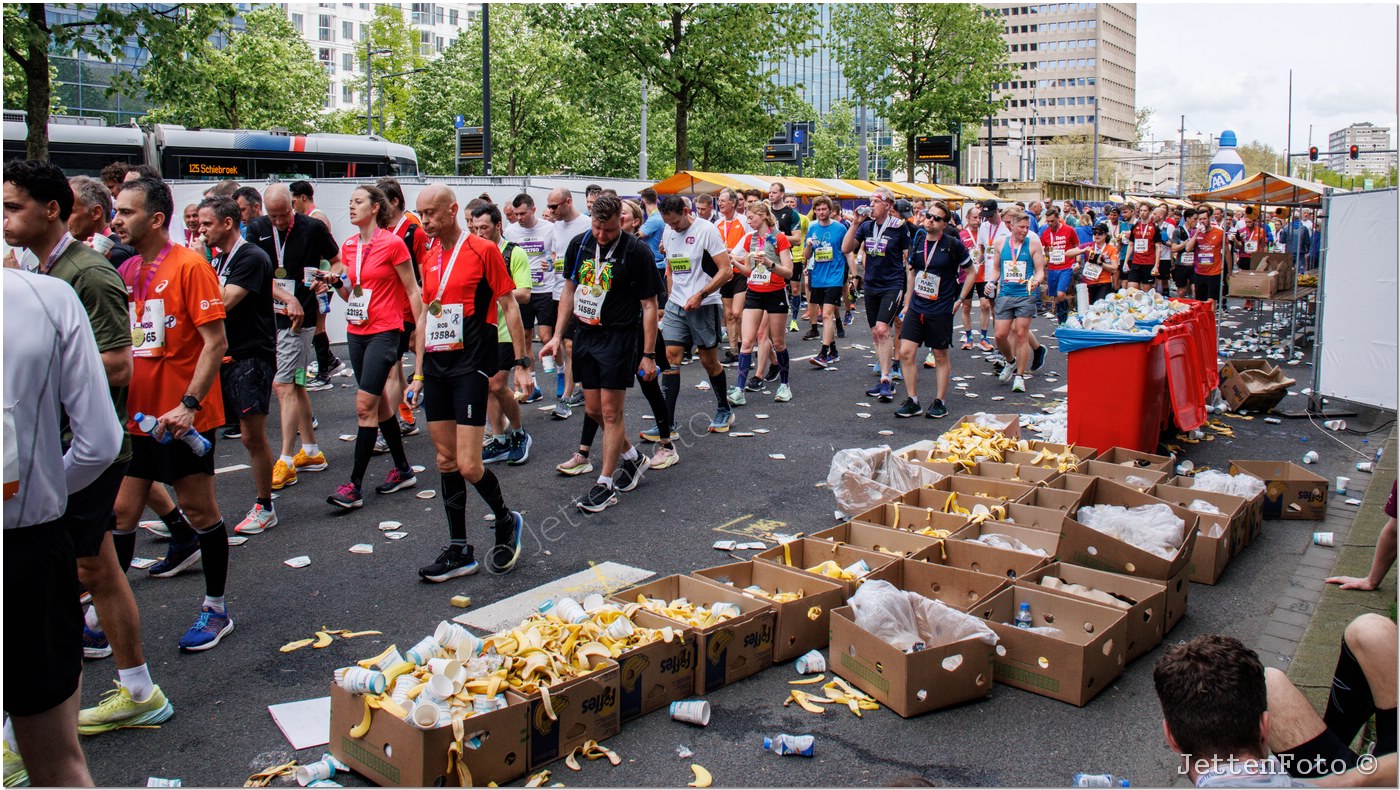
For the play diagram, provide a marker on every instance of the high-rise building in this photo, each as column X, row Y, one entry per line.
column 1366, row 137
column 1070, row 58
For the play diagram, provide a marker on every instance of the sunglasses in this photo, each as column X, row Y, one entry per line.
column 936, row 217
column 553, row 206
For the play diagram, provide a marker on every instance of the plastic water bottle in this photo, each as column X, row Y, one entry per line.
column 1098, row 780
column 800, row 745
column 1226, row 167
column 192, row 439
column 1023, row 617
column 324, row 298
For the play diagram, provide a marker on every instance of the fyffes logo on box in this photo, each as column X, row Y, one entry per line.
column 1315, row 495
column 759, row 638
column 600, row 703
column 674, row 665
column 718, row 643
column 632, row 670
column 543, row 724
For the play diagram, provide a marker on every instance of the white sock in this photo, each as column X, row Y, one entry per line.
column 631, row 454
column 604, row 480
column 137, row 680
column 215, row 603
column 91, row 619
column 311, row 449
column 287, row 459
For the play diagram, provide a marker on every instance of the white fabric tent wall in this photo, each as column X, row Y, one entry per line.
column 1357, row 336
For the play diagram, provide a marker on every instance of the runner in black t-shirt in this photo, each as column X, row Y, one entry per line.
column 245, row 273
column 932, row 295
column 296, row 244
column 611, row 289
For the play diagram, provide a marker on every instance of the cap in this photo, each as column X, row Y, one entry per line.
column 903, row 208
column 988, row 205
column 1102, row 227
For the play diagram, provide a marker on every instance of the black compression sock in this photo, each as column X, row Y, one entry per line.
column 671, row 388
column 213, row 558
column 720, row 387
column 454, row 504
column 489, row 488
column 364, row 448
column 394, row 438
column 652, row 391
column 180, row 531
column 322, row 343
column 1350, row 703
column 125, row 544
column 589, row 432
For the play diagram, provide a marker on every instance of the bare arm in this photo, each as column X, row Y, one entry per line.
column 179, row 419
column 519, row 338
column 233, row 294
column 117, row 364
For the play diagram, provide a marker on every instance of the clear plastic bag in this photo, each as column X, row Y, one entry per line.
column 1202, row 506
column 863, row 478
column 904, row 619
column 1152, row 528
column 999, row 541
column 1240, row 485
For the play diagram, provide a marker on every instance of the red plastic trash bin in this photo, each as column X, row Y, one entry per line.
column 1117, row 395
column 1188, row 402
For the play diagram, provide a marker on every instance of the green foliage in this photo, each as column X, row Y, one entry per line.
column 835, row 144
column 266, row 76
column 16, row 88
column 930, row 66
column 390, row 30
column 1073, row 157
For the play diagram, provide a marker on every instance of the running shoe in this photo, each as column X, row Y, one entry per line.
column 909, row 408
column 665, row 457
column 495, row 452
column 157, row 528
column 1019, row 385
column 518, row 448
column 562, row 411
column 381, row 446
column 504, row 554
column 346, row 496
column 811, row 333
column 1007, row 372
column 937, row 410
column 819, row 360
column 319, row 384
column 534, row 396
column 929, row 361
column 283, row 475
column 95, row 644
column 598, row 499
column 336, row 366
column 966, row 341
column 396, row 480
column 208, row 629
column 232, row 432
column 784, row 394
column 408, row 428
column 302, row 462
column 772, row 373
column 736, row 397
column 258, row 520
column 629, row 473
column 840, row 330
column 754, row 384
column 450, row 564
column 984, row 345
column 558, row 386
column 84, row 597
column 833, row 357
column 178, row 558
column 652, row 435
column 886, row 391
column 896, row 373
column 576, row 465
column 15, row 773
column 724, row 417
column 575, row 400
column 117, row 710
column 792, row 325
column 849, row 318
column 315, row 423
column 730, row 358
column 1038, row 358
column 875, row 391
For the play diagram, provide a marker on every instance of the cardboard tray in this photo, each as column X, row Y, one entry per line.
column 1046, row 541
column 903, row 516
column 795, row 631
column 1093, row 549
column 959, row 588
column 653, row 676
column 1290, row 491
column 808, row 553
column 1120, row 474
column 1214, row 541
column 587, row 709
column 1000, row 563
column 1146, row 621
column 1235, row 511
column 1254, row 516
column 1141, row 460
column 881, row 539
column 1024, row 474
column 1012, row 423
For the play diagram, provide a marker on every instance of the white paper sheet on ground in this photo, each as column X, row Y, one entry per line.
column 760, row 430
column 777, row 456
column 760, row 416
column 347, row 437
column 236, row 540
column 1061, row 390
column 306, row 723
column 231, row 468
column 605, row 578
column 740, row 434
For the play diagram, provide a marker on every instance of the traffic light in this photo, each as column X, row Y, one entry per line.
column 1354, row 152
column 1312, row 154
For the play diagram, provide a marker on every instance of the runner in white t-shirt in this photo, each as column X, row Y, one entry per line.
column 568, row 225
column 533, row 235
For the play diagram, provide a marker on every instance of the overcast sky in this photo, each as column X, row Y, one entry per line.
column 1225, row 66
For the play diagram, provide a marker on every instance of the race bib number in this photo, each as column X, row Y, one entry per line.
column 1014, row 271
column 1057, row 257
column 680, row 264
column 588, row 304
column 1251, row 247
column 537, row 275
column 1139, row 245
column 1092, row 271
column 148, row 331
column 533, row 246
column 760, row 275
column 559, row 264
column 822, row 254
column 444, row 330
column 876, row 247
column 1205, row 259
column 1188, row 259
column 357, row 309
column 289, row 286
column 926, row 285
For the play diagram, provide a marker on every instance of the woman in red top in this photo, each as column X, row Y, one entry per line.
column 767, row 267
column 378, row 287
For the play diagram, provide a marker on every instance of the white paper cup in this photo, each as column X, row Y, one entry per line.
column 621, row 628
column 810, row 662
column 102, row 243
column 358, row 680
column 1323, row 538
column 1365, row 466
column 547, row 362
column 448, row 634
column 311, row 772
column 691, row 711
column 424, row 651
column 725, row 609
column 570, row 611
column 1310, row 457
column 438, row 690
column 402, row 685
column 593, row 602
column 468, row 648
column 1342, row 483
column 425, row 715
column 1335, row 425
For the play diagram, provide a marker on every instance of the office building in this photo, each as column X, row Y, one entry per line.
column 1366, row 137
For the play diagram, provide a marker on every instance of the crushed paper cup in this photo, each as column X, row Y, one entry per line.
column 297, row 562
column 312, row 772
column 1353, row 501
column 427, row 494
column 755, row 545
column 358, row 680
column 385, row 526
column 362, row 548
column 810, row 662
column 593, row 602
column 887, row 432
column 864, row 415
column 1323, row 538
column 760, row 430
column 347, row 437
column 156, row 781
column 777, row 456
column 449, row 634
column 418, row 468
column 142, row 563
column 740, row 434
column 395, row 535
column 621, row 628
column 423, row 652
column 1342, row 483
column 760, row 416
column 725, row 545
column 237, row 540
column 691, row 711
column 1310, row 457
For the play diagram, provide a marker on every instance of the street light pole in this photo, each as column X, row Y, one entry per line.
column 370, row 52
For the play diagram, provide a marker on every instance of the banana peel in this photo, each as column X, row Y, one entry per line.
column 702, row 776
column 807, row 681
column 323, row 639
column 803, row 701
column 297, row 645
column 538, row 780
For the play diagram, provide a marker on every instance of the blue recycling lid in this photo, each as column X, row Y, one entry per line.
column 1227, row 139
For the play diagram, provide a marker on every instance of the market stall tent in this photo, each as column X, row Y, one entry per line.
column 1270, row 189
column 695, row 182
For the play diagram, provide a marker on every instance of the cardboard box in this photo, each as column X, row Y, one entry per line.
column 807, row 553
column 1074, row 668
column 882, row 539
column 1035, row 446
column 1290, row 491
column 1013, row 473
column 1045, row 541
column 1122, row 455
column 901, row 515
column 1252, row 283
column 1235, row 510
column 1253, row 384
column 395, row 753
column 1146, row 621
column 1001, row 491
column 728, row 651
column 1280, row 263
column 1178, row 591
column 961, row 588
column 587, row 709
column 1093, row 549
column 1048, row 497
column 1008, row 424
column 653, row 676
column 909, row 683
column 795, row 631
column 984, row 559
column 1254, row 514
column 1212, row 553
column 936, row 499
column 1121, row 474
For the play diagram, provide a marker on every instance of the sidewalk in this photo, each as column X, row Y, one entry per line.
column 1306, row 626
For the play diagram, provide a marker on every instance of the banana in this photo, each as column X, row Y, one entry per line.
column 571, row 762
column 702, row 776
column 371, row 663
column 323, row 639
column 362, row 729
column 538, row 779
column 807, row 681
column 803, row 701
column 353, row 634
column 297, row 645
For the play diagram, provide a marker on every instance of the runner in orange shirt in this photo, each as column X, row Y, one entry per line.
column 407, row 227
column 1208, row 245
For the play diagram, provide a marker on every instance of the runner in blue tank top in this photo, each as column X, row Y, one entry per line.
column 1019, row 272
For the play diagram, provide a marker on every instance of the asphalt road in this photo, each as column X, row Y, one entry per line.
column 222, row 731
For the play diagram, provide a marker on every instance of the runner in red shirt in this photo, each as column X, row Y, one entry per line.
column 1142, row 255
column 1208, row 245
column 1062, row 250
column 410, row 230
column 376, row 282
column 766, row 267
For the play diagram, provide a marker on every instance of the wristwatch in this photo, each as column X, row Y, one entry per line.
column 651, row 355
column 524, row 362
column 190, row 402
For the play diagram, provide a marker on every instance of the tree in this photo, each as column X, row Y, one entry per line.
column 689, row 52
column 835, row 144
column 266, row 76
column 163, row 30
column 16, row 90
column 1142, row 121
column 1071, row 158
column 930, row 67
column 1260, row 158
column 389, row 30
